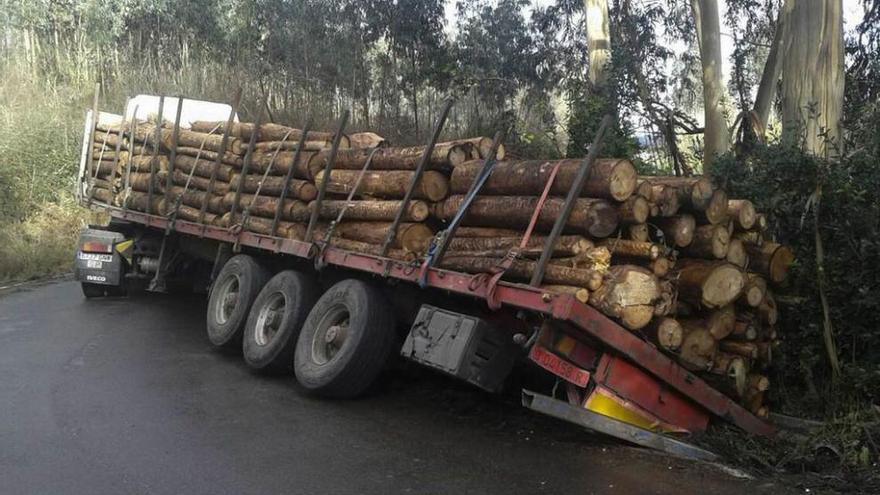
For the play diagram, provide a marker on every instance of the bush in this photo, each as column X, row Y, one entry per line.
column 783, row 182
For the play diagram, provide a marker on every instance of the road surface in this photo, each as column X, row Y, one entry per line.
column 126, row 396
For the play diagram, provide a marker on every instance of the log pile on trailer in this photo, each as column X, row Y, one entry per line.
column 672, row 259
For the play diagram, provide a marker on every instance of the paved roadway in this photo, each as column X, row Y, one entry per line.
column 125, row 396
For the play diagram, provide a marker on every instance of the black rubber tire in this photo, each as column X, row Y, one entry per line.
column 299, row 292
column 92, row 291
column 250, row 277
column 364, row 352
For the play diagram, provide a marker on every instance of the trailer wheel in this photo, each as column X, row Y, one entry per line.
column 92, row 291
column 346, row 340
column 275, row 320
column 232, row 295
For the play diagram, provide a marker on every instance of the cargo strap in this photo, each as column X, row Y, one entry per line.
column 319, row 257
column 439, row 243
column 289, row 175
column 492, row 278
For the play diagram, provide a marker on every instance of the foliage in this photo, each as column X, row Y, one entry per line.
column 782, row 182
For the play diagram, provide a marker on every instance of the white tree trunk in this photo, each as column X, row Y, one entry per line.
column 598, row 40
column 716, row 136
column 813, row 76
column 773, row 66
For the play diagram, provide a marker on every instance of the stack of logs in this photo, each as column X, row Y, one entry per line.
column 672, row 259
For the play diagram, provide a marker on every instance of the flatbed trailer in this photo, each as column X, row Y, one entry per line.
column 614, row 381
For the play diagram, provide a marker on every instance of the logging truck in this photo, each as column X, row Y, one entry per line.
column 333, row 314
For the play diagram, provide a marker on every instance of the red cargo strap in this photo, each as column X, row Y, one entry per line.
column 505, row 263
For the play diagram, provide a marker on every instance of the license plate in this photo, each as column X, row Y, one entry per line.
column 94, row 264
column 96, row 257
column 558, row 366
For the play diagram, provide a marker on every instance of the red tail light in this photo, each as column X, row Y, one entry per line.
column 96, row 247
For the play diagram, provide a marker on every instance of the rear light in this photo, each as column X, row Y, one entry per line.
column 96, row 247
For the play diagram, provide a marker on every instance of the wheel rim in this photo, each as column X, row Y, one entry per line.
column 331, row 335
column 227, row 297
column 269, row 319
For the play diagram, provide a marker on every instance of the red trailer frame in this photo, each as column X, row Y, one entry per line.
column 618, row 342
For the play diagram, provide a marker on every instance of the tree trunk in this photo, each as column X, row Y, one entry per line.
column 594, row 217
column 772, row 67
column 381, row 211
column 712, row 284
column 414, row 237
column 608, row 178
column 443, row 157
column 813, row 76
column 432, row 186
column 598, row 40
column 716, row 139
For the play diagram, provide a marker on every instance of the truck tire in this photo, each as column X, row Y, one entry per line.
column 92, row 291
column 345, row 341
column 232, row 295
column 275, row 320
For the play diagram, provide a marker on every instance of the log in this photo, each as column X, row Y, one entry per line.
column 374, row 249
column 679, row 229
column 754, row 291
column 761, row 222
column 736, row 253
column 710, row 242
column 771, row 260
column 268, row 132
column 667, row 199
column 712, row 284
column 265, row 206
column 768, row 310
column 522, row 270
column 634, row 249
column 414, row 237
column 481, row 147
column 136, row 200
column 666, row 333
column 644, row 189
column 444, row 156
column 716, row 211
column 579, row 293
column 695, row 193
column 179, row 178
column 734, row 368
column 566, row 245
column 629, row 294
column 366, row 140
column 393, row 184
column 638, row 232
column 417, row 211
column 191, row 214
column 660, row 266
column 745, row 349
column 102, row 194
column 698, row 347
column 263, row 226
column 634, row 210
column 486, row 232
column 109, row 139
column 721, row 321
column 210, row 156
column 608, row 178
column 141, row 181
column 742, row 211
column 141, row 163
column 196, row 199
column 594, row 217
column 203, row 168
column 273, row 185
column 260, row 162
column 146, row 133
column 268, row 147
column 751, row 237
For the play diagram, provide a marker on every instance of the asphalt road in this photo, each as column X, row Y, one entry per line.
column 126, row 396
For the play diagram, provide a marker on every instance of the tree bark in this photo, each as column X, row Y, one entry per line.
column 598, row 40
column 273, row 186
column 772, row 68
column 414, row 237
column 443, row 157
column 771, row 260
column 594, row 217
column 265, row 206
column 716, row 139
column 608, row 178
column 382, row 211
column 392, row 184
column 522, row 270
column 813, row 76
